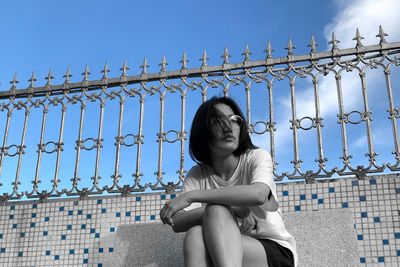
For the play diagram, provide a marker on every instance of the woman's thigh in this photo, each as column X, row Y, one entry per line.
column 253, row 253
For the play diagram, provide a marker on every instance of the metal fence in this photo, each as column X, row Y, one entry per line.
column 129, row 133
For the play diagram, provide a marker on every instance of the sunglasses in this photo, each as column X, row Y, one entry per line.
column 233, row 119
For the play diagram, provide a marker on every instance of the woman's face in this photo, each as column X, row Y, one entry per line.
column 225, row 126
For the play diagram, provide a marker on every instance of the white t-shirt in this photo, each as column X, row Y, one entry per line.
column 255, row 166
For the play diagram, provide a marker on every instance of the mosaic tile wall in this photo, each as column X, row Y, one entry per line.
column 81, row 232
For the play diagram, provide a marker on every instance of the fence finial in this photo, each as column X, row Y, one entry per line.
column 313, row 45
column 49, row 78
column 184, row 61
column 124, row 69
column 334, row 42
column 290, row 47
column 86, row 74
column 204, row 59
column 382, row 35
column 67, row 76
column 226, row 56
column 268, row 50
column 144, row 66
column 358, row 38
column 246, row 53
column 105, row 72
column 163, row 64
column 32, row 80
column 14, row 83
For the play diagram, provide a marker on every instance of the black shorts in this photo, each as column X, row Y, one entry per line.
column 277, row 255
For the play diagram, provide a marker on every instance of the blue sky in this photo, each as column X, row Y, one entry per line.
column 42, row 35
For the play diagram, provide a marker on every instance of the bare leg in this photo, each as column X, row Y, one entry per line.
column 194, row 249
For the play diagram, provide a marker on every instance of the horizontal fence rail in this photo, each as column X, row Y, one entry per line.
column 97, row 136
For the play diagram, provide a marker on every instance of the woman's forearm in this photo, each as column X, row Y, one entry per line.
column 240, row 195
column 184, row 220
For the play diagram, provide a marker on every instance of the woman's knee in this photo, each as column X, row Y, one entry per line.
column 217, row 212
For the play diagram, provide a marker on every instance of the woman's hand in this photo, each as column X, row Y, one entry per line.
column 247, row 220
column 172, row 206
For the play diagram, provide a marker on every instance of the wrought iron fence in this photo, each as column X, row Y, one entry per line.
column 62, row 157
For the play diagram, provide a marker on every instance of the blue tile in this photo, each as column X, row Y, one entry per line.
column 61, row 209
column 331, row 190
column 173, row 196
column 80, row 212
column 398, row 253
column 56, row 257
column 99, row 201
column 100, row 265
column 48, row 252
column 33, row 225
column 362, row 260
column 22, row 235
column 137, row 218
column 118, row 214
column 63, row 237
column 69, row 227
column 163, row 197
column 364, row 214
column 101, row 250
column 97, row 235
column 15, row 226
column 110, row 249
column 88, row 216
column 285, row 193
column 1, row 236
column 297, row 208
column 302, row 197
column 34, row 206
column 345, row 205
column 46, row 219
column 354, row 183
column 112, row 229
column 76, row 203
column 13, row 207
column 85, row 261
column 377, row 219
column 33, row 215
column 45, row 233
column 372, row 181
column 385, row 241
column 2, row 250
column 321, row 201
column 360, row 237
column 103, row 210
column 86, row 251
column 20, row 254
column 381, row 259
column 11, row 217
column 92, row 230
column 152, row 217
column 71, row 251
column 83, row 226
column 70, row 212
column 397, row 190
column 314, row 196
column 128, row 214
column 397, row 235
column 138, row 199
column 363, row 198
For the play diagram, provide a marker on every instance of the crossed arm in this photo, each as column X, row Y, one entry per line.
column 239, row 196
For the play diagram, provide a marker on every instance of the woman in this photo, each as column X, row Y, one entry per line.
column 228, row 205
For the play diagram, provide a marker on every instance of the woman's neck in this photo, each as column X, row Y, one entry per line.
column 225, row 166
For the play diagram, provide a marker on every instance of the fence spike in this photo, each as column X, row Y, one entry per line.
column 334, row 42
column 124, row 69
column 163, row 64
column 382, row 35
column 86, row 73
column 290, row 47
column 32, row 80
column 204, row 59
column 358, row 38
column 14, row 83
column 105, row 72
column 313, row 44
column 268, row 50
column 144, row 66
column 246, row 53
column 226, row 56
column 67, row 75
column 49, row 78
column 184, row 61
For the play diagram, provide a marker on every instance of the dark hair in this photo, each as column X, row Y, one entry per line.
column 201, row 134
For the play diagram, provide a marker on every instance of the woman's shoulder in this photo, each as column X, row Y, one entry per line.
column 257, row 153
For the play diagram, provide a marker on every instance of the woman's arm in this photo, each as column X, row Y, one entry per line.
column 184, row 220
column 241, row 195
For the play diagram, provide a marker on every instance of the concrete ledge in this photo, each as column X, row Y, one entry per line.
column 324, row 238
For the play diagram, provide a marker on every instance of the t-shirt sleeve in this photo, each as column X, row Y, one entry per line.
column 192, row 182
column 262, row 172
